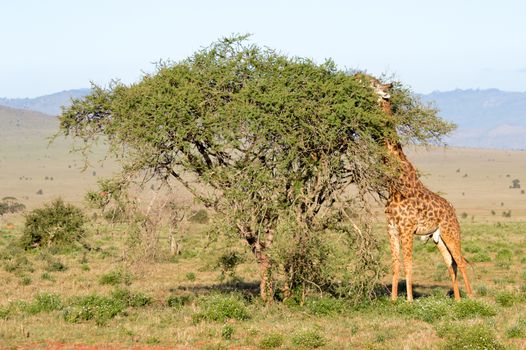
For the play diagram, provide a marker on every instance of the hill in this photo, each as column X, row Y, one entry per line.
column 486, row 118
column 48, row 104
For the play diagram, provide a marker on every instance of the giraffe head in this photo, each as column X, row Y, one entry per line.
column 382, row 90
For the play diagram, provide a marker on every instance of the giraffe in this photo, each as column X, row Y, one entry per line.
column 413, row 209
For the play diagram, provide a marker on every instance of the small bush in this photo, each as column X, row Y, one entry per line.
column 116, row 277
column 309, row 339
column 93, row 307
column 199, row 217
column 506, row 299
column 227, row 331
column 131, row 299
column 504, row 257
column 465, row 336
column 178, row 301
column 480, row 257
column 271, row 341
column 426, row 309
column 56, row 224
column 47, row 277
column 190, row 276
column 468, row 308
column 44, row 302
column 26, row 280
column 325, row 306
column 220, row 308
column 153, row 340
column 4, row 313
column 516, row 331
column 56, row 266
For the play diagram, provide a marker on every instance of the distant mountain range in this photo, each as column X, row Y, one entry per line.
column 486, row 118
column 48, row 104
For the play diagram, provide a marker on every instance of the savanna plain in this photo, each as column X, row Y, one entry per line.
column 107, row 293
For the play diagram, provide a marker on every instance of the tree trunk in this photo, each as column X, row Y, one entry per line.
column 265, row 286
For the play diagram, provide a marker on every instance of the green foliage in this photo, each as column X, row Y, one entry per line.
column 437, row 308
column 228, row 262
column 466, row 336
column 504, row 257
column 56, row 266
column 44, row 302
column 227, row 331
column 178, row 301
column 518, row 330
column 469, row 308
column 311, row 339
column 131, row 299
column 4, row 313
column 218, row 307
column 93, row 307
column 272, row 341
column 116, row 277
column 325, row 306
column 274, row 137
column 57, row 224
column 480, row 257
column 506, row 298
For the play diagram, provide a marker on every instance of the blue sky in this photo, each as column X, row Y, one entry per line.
column 53, row 45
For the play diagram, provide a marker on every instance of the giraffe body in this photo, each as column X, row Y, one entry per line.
column 413, row 209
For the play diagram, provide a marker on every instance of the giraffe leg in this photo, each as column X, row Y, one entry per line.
column 465, row 277
column 394, row 243
column 453, row 245
column 407, row 250
column 451, row 264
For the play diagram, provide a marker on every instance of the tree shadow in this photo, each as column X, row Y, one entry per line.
column 419, row 291
column 247, row 289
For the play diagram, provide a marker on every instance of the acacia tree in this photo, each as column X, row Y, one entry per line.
column 273, row 143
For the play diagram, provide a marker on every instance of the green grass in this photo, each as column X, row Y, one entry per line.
column 164, row 307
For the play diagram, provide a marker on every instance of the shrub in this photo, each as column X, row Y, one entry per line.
column 131, row 299
column 4, row 313
column 309, row 339
column 178, row 301
column 480, row 257
column 190, row 276
column 93, row 307
column 44, row 302
column 57, row 223
column 116, row 277
column 227, row 331
column 464, row 336
column 426, row 309
column 10, row 205
column 516, row 331
column 271, row 341
column 468, row 308
column 504, row 257
column 220, row 308
column 506, row 299
column 325, row 306
column 56, row 266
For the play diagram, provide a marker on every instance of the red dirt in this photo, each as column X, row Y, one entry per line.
column 62, row 346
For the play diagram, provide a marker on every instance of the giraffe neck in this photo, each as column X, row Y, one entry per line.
column 408, row 180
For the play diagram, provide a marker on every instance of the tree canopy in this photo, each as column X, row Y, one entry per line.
column 269, row 141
